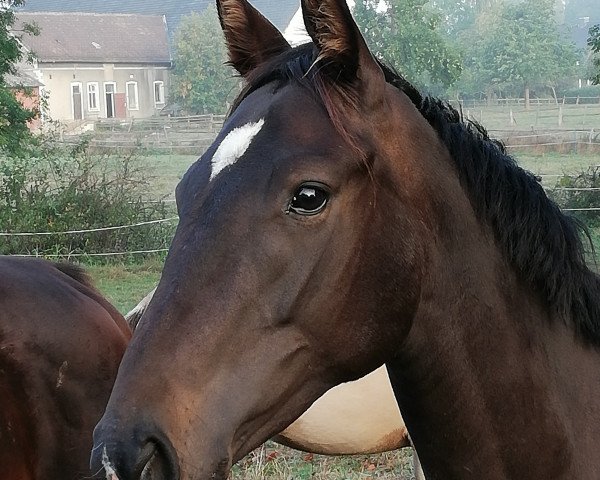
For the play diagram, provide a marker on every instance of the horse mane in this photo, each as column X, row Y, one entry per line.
column 542, row 244
column 76, row 272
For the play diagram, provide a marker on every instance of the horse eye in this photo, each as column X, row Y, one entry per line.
column 309, row 199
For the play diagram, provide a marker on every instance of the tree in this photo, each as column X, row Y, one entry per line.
column 594, row 44
column 201, row 83
column 404, row 33
column 14, row 133
column 520, row 46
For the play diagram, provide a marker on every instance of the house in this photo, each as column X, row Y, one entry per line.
column 27, row 91
column 279, row 12
column 99, row 65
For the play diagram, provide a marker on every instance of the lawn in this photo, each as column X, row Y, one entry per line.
column 551, row 166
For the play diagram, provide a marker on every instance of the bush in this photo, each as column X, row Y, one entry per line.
column 575, row 192
column 589, row 94
column 62, row 188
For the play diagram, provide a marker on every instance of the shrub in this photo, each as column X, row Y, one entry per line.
column 61, row 188
column 589, row 94
column 577, row 192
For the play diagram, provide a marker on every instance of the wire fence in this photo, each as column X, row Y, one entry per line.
column 151, row 250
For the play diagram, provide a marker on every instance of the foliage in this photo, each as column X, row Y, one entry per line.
column 460, row 15
column 577, row 192
column 516, row 46
column 200, row 82
column 594, row 44
column 69, row 188
column 14, row 133
column 405, row 34
column 592, row 92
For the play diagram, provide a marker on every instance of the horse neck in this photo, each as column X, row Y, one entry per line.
column 485, row 380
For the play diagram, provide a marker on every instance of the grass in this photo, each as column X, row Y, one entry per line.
column 124, row 285
column 275, row 462
column 550, row 166
column 166, row 171
column 539, row 117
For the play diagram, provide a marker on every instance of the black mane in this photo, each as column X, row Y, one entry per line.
column 542, row 243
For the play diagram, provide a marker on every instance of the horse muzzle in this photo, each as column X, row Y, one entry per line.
column 140, row 454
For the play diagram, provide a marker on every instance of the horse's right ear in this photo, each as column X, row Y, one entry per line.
column 251, row 39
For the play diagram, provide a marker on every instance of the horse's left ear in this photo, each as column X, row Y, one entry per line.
column 343, row 54
column 251, row 38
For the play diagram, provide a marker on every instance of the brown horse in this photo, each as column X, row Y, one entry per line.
column 342, row 221
column 60, row 348
column 352, row 418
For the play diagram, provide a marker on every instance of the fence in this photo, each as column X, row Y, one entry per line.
column 521, row 102
column 183, row 135
column 587, row 210
column 574, row 128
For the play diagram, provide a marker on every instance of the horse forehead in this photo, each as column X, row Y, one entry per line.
column 234, row 145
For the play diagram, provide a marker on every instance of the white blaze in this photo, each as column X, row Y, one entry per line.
column 234, row 145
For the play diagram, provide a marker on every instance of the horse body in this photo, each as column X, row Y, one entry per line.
column 341, row 221
column 60, row 348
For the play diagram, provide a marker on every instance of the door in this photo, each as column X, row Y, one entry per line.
column 77, row 101
column 109, row 94
column 120, row 105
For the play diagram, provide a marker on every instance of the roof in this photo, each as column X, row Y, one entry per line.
column 90, row 37
column 280, row 12
column 21, row 79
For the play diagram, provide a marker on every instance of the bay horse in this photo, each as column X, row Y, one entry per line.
column 61, row 344
column 358, row 417
column 342, row 221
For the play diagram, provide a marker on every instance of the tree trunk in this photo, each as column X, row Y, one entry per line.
column 489, row 93
column 527, row 101
column 554, row 94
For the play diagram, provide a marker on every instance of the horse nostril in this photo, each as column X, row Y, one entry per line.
column 151, row 459
column 158, row 461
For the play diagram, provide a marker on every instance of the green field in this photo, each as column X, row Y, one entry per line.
column 538, row 117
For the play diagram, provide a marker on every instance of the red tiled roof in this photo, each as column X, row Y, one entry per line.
column 91, row 37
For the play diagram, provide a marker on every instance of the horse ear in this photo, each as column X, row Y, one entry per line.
column 251, row 39
column 342, row 51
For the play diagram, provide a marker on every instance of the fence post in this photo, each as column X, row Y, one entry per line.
column 560, row 116
column 512, row 117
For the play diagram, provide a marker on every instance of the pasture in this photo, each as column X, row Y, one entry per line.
column 128, row 282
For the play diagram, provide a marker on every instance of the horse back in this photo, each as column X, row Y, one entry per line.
column 60, row 347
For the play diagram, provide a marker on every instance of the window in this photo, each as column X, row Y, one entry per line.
column 132, row 95
column 92, row 94
column 159, row 92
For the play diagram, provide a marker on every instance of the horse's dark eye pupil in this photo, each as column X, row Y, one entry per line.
column 309, row 200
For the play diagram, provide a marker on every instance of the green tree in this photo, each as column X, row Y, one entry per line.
column 519, row 46
column 14, row 133
column 405, row 33
column 200, row 83
column 460, row 15
column 594, row 44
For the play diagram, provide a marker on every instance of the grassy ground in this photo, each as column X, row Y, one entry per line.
column 126, row 284
column 551, row 166
column 538, row 117
column 166, row 171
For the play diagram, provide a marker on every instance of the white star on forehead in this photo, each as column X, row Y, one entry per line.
column 234, row 145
